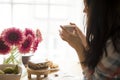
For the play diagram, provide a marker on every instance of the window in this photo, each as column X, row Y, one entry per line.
column 47, row 15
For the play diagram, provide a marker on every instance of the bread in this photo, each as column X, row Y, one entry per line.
column 52, row 65
column 38, row 66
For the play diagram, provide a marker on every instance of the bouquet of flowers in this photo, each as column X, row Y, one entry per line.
column 14, row 41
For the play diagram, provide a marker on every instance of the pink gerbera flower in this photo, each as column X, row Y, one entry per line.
column 26, row 45
column 4, row 49
column 38, row 35
column 29, row 32
column 35, row 45
column 12, row 36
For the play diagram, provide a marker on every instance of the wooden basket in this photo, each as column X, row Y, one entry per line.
column 10, row 76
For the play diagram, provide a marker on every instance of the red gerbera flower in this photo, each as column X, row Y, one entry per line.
column 26, row 45
column 12, row 36
column 29, row 32
column 4, row 49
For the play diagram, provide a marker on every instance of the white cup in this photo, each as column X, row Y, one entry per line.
column 69, row 28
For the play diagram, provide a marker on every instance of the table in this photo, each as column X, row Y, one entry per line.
column 71, row 71
column 69, row 66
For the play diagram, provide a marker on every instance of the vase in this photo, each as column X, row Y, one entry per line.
column 13, row 58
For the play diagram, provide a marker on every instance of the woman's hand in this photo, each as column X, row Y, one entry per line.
column 75, row 38
column 80, row 34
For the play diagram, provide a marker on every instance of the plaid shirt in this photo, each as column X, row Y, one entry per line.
column 108, row 68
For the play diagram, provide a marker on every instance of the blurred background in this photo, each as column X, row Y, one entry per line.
column 47, row 15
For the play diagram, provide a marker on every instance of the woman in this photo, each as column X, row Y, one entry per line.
column 99, row 50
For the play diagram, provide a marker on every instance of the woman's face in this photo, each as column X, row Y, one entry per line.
column 85, row 7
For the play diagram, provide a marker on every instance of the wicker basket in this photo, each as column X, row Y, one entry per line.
column 10, row 76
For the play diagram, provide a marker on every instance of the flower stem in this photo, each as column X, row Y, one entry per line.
column 13, row 57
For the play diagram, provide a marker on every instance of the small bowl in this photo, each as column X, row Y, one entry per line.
column 10, row 76
column 25, row 59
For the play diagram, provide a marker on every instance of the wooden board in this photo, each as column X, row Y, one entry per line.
column 42, row 72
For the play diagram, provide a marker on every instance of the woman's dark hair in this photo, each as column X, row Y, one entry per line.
column 103, row 23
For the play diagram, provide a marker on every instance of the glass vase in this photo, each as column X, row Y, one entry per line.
column 13, row 58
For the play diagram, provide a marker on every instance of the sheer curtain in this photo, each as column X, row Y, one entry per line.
column 47, row 15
